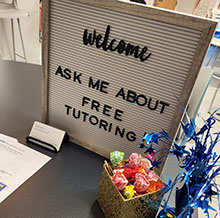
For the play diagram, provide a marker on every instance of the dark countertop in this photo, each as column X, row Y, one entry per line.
column 67, row 185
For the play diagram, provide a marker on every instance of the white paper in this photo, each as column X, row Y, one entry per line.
column 8, row 138
column 17, row 163
column 47, row 134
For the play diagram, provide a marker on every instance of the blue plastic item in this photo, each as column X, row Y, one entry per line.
column 217, row 33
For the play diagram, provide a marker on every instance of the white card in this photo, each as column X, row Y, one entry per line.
column 46, row 136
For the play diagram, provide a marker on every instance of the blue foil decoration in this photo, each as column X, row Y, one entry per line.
column 200, row 167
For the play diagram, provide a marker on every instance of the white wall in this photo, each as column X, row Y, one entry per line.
column 30, row 31
column 185, row 6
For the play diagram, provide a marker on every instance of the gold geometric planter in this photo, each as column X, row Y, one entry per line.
column 114, row 205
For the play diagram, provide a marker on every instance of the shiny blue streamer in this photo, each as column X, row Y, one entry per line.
column 201, row 165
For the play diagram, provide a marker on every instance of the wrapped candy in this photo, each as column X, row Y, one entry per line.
column 142, row 171
column 159, row 186
column 152, row 187
column 155, row 186
column 145, row 163
column 151, row 175
column 118, row 171
column 141, row 184
column 128, row 191
column 130, row 173
column 116, row 157
column 135, row 160
column 122, row 165
column 120, row 181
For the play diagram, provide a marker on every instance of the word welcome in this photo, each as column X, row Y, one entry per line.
column 129, row 49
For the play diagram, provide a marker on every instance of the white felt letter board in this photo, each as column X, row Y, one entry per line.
column 113, row 70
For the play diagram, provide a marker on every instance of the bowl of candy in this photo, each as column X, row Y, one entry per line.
column 126, row 186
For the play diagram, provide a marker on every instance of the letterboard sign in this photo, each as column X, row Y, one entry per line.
column 114, row 70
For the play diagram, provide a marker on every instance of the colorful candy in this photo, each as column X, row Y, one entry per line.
column 135, row 160
column 134, row 177
column 141, row 184
column 118, row 171
column 142, row 171
column 151, row 175
column 128, row 192
column 154, row 186
column 122, row 165
column 120, row 181
column 145, row 163
column 130, row 173
column 116, row 157
column 159, row 186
